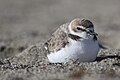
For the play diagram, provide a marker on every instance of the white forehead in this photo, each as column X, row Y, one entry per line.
column 91, row 28
column 81, row 27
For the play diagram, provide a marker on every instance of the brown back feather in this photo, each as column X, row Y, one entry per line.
column 58, row 39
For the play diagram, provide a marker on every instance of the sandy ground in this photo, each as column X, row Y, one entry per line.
column 26, row 22
column 32, row 64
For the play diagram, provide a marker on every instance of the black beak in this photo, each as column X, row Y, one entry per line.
column 94, row 34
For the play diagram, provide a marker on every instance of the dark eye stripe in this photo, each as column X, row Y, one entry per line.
column 89, row 32
column 78, row 28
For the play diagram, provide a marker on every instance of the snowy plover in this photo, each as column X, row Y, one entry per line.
column 75, row 41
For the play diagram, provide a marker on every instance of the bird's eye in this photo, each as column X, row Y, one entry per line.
column 78, row 28
column 91, row 31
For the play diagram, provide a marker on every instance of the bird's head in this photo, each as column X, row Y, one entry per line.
column 83, row 28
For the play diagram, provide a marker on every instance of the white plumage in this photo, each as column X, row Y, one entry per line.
column 85, row 50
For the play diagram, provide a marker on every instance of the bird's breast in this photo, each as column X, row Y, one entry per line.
column 77, row 50
column 88, row 47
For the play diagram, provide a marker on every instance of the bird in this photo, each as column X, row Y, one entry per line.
column 73, row 41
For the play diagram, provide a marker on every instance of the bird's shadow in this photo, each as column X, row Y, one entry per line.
column 100, row 58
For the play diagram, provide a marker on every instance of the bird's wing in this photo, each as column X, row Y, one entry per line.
column 58, row 39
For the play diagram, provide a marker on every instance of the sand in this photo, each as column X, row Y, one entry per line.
column 33, row 64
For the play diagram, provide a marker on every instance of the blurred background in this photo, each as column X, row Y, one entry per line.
column 26, row 22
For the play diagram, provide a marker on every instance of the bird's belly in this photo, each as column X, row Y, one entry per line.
column 85, row 51
column 77, row 51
